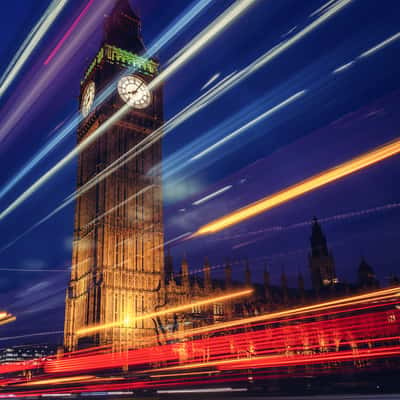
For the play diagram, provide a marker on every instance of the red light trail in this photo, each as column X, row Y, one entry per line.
column 69, row 32
column 348, row 331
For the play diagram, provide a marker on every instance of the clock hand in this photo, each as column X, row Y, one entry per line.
column 136, row 90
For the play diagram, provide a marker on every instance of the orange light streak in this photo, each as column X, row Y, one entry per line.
column 184, row 307
column 6, row 318
column 56, row 381
column 279, row 359
column 340, row 171
column 185, row 374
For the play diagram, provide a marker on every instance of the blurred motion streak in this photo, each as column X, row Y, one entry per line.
column 69, row 32
column 30, row 44
column 380, row 45
column 212, row 195
column 56, row 381
column 249, row 125
column 359, row 328
column 6, row 318
column 184, row 307
column 306, row 186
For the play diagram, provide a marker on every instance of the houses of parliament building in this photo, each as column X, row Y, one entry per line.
column 119, row 270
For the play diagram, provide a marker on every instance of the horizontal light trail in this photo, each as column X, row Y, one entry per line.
column 249, row 125
column 184, row 374
column 33, row 270
column 339, row 303
column 380, row 45
column 30, row 335
column 178, row 26
column 197, row 44
column 266, row 341
column 60, row 381
column 30, row 44
column 69, row 32
column 184, row 307
column 299, row 189
column 281, row 360
column 212, row 195
column 215, row 328
column 269, row 342
column 343, row 67
column 210, row 390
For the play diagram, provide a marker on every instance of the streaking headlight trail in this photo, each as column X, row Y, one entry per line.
column 130, row 320
column 306, row 186
column 30, row 44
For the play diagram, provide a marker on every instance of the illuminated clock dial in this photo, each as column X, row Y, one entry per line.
column 88, row 98
column 134, row 91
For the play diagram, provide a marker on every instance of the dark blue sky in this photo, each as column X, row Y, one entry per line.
column 340, row 116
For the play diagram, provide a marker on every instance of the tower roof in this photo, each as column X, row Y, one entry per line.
column 123, row 28
column 318, row 240
column 124, row 7
column 365, row 267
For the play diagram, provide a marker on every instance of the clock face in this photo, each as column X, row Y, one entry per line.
column 88, row 98
column 134, row 91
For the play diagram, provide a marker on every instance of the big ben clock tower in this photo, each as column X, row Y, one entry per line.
column 117, row 264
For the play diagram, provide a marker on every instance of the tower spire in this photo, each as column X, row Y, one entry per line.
column 123, row 28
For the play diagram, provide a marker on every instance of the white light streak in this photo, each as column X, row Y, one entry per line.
column 289, row 32
column 211, row 390
column 277, row 50
column 343, row 67
column 30, row 43
column 212, row 195
column 380, row 46
column 248, row 125
column 111, row 210
column 203, row 38
column 322, row 8
column 31, row 335
column 210, row 81
column 197, row 44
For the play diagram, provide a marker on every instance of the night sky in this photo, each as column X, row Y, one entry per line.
column 340, row 116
